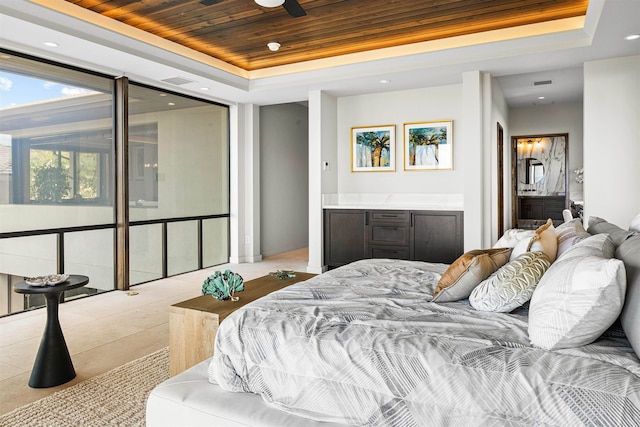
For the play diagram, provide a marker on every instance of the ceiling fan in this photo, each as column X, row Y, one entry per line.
column 291, row 6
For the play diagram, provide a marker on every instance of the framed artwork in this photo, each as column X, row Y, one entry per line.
column 428, row 145
column 373, row 148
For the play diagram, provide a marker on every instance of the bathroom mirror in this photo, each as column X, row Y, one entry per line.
column 541, row 165
column 531, row 170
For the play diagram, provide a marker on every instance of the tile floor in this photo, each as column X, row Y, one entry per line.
column 108, row 330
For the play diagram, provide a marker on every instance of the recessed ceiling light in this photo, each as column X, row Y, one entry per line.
column 385, row 81
column 541, row 97
column 632, row 37
column 163, row 94
column 204, row 88
column 269, row 3
column 50, row 44
column 273, row 46
column 171, row 103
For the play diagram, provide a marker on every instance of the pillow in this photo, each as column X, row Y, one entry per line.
column 599, row 245
column 570, row 233
column 512, row 285
column 543, row 240
column 512, row 236
column 599, row 225
column 467, row 271
column 577, row 299
column 629, row 253
column 635, row 224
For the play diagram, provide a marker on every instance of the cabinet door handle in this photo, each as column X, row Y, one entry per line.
column 389, row 216
column 411, row 220
column 366, row 217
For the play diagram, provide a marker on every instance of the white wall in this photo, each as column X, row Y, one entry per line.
column 396, row 108
column 612, row 139
column 284, row 178
column 323, row 113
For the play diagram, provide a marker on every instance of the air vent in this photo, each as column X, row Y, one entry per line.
column 177, row 81
column 542, row 82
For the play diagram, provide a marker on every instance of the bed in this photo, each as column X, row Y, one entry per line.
column 366, row 344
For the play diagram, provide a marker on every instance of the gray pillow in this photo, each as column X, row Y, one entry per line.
column 629, row 253
column 618, row 235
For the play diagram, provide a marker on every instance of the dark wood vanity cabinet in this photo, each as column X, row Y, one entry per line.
column 534, row 211
column 437, row 236
column 352, row 234
column 344, row 236
column 388, row 234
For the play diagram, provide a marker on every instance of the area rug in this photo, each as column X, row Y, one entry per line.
column 114, row 398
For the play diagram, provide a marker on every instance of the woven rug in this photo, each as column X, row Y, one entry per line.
column 114, row 398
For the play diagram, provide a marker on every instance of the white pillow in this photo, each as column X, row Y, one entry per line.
column 511, row 237
column 599, row 245
column 576, row 300
column 512, row 285
column 635, row 224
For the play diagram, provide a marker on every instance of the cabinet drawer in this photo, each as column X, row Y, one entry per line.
column 389, row 217
column 388, row 235
column 388, row 252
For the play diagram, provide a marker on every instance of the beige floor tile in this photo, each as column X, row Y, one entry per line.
column 8, row 371
column 108, row 330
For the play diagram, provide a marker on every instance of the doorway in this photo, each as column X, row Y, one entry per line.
column 540, row 182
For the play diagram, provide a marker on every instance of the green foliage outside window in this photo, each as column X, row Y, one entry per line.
column 50, row 183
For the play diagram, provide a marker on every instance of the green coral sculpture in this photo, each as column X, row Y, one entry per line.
column 223, row 286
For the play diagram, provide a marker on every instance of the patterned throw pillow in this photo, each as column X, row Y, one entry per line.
column 512, row 285
column 576, row 301
column 570, row 233
column 467, row 271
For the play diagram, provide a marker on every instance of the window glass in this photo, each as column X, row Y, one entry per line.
column 178, row 156
column 56, row 146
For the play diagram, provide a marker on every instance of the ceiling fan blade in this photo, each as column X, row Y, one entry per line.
column 209, row 2
column 294, row 8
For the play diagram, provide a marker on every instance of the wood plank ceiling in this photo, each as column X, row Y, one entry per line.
column 237, row 31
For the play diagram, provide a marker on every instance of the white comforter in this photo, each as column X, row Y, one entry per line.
column 364, row 345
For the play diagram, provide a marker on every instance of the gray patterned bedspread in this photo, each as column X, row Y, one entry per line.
column 363, row 345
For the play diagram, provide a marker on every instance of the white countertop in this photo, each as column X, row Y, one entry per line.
column 445, row 202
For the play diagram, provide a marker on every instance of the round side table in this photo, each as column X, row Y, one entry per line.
column 53, row 365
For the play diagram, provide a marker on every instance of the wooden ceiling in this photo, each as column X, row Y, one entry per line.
column 237, row 31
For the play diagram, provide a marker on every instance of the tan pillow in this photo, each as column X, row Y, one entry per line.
column 544, row 240
column 468, row 271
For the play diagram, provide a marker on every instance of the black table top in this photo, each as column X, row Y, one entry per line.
column 74, row 281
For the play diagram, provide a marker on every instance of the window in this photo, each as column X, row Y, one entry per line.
column 58, row 179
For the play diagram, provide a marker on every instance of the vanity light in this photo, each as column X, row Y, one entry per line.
column 632, row 37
